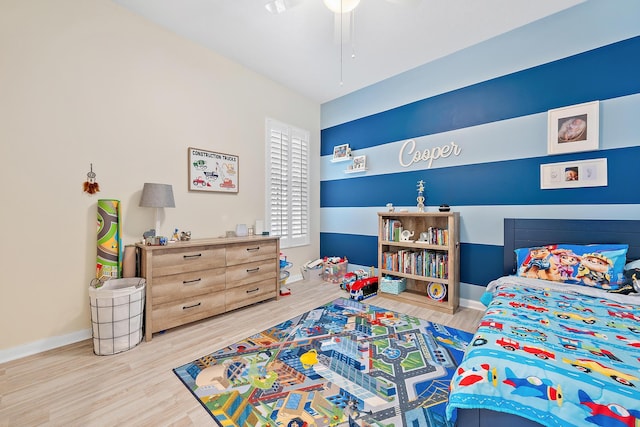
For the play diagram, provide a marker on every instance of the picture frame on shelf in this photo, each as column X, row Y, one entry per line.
column 210, row 171
column 574, row 174
column 359, row 164
column 341, row 153
column 573, row 129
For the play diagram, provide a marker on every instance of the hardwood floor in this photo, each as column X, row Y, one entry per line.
column 70, row 386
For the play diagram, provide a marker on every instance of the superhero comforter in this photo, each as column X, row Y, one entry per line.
column 560, row 355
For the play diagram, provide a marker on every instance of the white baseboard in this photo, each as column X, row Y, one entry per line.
column 43, row 345
column 469, row 303
column 294, row 278
column 62, row 340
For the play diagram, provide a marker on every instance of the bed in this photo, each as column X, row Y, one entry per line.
column 559, row 344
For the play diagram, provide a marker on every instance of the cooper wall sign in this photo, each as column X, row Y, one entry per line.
column 409, row 154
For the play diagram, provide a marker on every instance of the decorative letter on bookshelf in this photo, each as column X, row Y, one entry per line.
column 430, row 261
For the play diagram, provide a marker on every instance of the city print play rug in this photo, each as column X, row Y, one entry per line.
column 345, row 363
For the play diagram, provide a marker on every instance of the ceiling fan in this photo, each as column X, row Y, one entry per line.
column 343, row 11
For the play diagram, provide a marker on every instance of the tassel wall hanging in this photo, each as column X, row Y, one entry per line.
column 91, row 186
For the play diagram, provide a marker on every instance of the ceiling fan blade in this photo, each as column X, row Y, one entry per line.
column 280, row 6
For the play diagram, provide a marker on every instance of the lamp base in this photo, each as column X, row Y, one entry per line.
column 157, row 218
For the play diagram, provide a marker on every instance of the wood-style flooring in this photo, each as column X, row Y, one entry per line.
column 70, row 386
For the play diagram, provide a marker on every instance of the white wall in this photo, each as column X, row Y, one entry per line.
column 86, row 81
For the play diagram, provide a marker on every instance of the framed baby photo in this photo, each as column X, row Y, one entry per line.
column 575, row 174
column 573, row 129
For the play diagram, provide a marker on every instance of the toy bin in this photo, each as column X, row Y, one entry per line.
column 117, row 309
column 334, row 272
column 393, row 285
column 312, row 270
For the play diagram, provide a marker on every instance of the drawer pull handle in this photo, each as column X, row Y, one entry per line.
column 189, row 282
column 186, row 307
column 191, row 256
column 253, row 290
column 257, row 248
column 253, row 270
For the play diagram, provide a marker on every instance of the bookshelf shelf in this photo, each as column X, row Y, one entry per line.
column 430, row 264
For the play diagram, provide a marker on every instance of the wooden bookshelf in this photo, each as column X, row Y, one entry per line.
column 430, row 265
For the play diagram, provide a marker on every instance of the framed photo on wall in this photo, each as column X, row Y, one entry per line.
column 213, row 172
column 359, row 164
column 574, row 129
column 576, row 174
column 341, row 153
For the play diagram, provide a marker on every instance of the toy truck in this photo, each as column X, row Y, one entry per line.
column 364, row 288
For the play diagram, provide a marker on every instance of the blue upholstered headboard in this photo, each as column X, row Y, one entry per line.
column 525, row 233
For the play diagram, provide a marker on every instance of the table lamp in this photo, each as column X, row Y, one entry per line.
column 157, row 196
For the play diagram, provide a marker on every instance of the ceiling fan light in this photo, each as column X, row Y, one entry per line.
column 341, row 6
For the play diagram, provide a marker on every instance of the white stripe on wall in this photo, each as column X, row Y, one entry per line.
column 478, row 224
column 518, row 138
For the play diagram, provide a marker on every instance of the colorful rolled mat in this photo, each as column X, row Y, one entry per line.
column 109, row 259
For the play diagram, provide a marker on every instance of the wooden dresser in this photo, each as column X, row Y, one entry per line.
column 189, row 281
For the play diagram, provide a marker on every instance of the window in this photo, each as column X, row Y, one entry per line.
column 287, row 181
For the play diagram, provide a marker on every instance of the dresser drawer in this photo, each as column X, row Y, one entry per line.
column 250, row 293
column 174, row 261
column 240, row 275
column 180, row 286
column 245, row 252
column 174, row 314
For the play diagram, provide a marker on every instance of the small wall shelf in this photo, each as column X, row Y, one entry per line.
column 342, row 159
column 355, row 170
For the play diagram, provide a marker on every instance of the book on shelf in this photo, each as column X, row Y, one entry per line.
column 425, row 263
column 438, row 236
column 392, row 230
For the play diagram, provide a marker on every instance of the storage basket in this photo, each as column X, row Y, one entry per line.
column 334, row 272
column 311, row 273
column 393, row 285
column 117, row 309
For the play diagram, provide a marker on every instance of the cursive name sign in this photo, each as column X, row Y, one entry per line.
column 409, row 155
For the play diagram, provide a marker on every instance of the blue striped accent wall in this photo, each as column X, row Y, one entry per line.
column 607, row 72
column 500, row 128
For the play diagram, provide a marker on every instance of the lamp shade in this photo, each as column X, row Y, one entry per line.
column 157, row 196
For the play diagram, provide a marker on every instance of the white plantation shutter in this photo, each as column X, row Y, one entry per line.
column 287, row 183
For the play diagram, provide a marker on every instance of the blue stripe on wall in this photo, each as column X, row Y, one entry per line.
column 361, row 250
column 480, row 264
column 607, row 72
column 513, row 182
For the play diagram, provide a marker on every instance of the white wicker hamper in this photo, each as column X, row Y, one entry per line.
column 117, row 309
